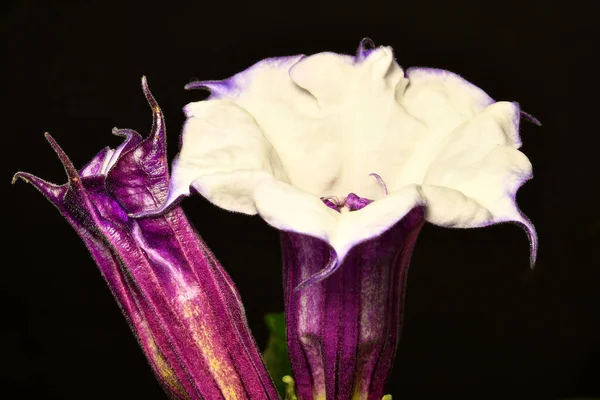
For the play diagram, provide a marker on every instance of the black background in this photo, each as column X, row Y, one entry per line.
column 478, row 322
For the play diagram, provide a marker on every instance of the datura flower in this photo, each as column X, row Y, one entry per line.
column 180, row 303
column 348, row 156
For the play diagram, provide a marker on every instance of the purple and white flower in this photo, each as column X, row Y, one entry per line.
column 348, row 156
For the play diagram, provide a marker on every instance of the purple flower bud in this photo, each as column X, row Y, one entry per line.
column 180, row 303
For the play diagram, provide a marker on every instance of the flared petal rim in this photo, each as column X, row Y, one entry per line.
column 275, row 138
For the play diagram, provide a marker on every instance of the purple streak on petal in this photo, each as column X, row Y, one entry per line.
column 381, row 182
column 343, row 331
column 365, row 47
column 354, row 202
column 180, row 303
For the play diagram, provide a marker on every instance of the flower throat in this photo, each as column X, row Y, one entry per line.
column 352, row 202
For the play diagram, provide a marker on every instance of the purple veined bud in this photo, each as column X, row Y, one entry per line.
column 178, row 300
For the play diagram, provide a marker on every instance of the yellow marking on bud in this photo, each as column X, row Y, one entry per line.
column 161, row 364
column 165, row 370
column 223, row 372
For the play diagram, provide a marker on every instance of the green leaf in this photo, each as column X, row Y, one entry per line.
column 276, row 356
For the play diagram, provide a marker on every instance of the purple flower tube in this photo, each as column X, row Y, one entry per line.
column 343, row 330
column 180, row 303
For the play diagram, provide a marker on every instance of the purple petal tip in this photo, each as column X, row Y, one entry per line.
column 216, row 88
column 529, row 229
column 196, row 85
column 381, row 182
column 50, row 190
column 123, row 132
column 531, row 118
column 533, row 244
column 70, row 169
column 364, row 48
column 149, row 96
column 211, row 86
column 158, row 123
column 329, row 269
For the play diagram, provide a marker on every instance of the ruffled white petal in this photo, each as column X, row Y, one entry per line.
column 224, row 156
column 442, row 98
column 275, row 138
